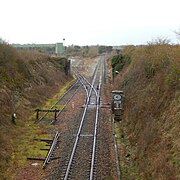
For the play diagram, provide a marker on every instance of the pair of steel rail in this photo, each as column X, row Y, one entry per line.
column 84, row 82
column 88, row 96
column 51, row 149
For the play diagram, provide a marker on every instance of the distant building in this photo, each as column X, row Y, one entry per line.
column 57, row 48
column 117, row 48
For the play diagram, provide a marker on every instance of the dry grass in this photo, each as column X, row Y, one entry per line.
column 151, row 118
column 27, row 80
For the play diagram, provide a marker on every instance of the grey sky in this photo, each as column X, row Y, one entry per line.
column 88, row 22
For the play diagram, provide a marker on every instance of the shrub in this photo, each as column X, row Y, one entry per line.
column 173, row 77
column 152, row 109
column 118, row 62
column 149, row 69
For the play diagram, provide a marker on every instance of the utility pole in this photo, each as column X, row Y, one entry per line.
column 64, row 44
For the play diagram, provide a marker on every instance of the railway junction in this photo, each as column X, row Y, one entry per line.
column 84, row 145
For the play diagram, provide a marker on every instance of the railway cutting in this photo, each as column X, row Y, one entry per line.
column 86, row 148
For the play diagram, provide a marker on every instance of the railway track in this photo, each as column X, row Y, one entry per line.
column 82, row 165
column 81, row 145
column 64, row 99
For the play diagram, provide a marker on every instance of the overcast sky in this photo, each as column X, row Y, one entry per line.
column 88, row 22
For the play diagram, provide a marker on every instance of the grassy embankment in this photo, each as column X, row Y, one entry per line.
column 149, row 131
column 27, row 80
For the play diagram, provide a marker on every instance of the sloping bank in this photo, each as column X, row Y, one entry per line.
column 27, row 80
column 149, row 129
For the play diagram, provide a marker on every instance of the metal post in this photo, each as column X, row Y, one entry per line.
column 124, row 87
column 37, row 114
column 55, row 115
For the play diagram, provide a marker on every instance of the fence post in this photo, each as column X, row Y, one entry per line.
column 37, row 114
column 55, row 114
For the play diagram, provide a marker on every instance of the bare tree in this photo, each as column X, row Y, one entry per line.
column 159, row 41
column 2, row 41
column 178, row 34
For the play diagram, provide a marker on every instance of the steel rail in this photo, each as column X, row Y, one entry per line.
column 43, row 116
column 49, row 154
column 67, row 102
column 80, row 128
column 87, row 82
column 85, row 88
column 116, row 152
column 104, row 63
column 95, row 130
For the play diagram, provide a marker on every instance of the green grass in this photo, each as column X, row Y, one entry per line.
column 53, row 100
column 27, row 147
